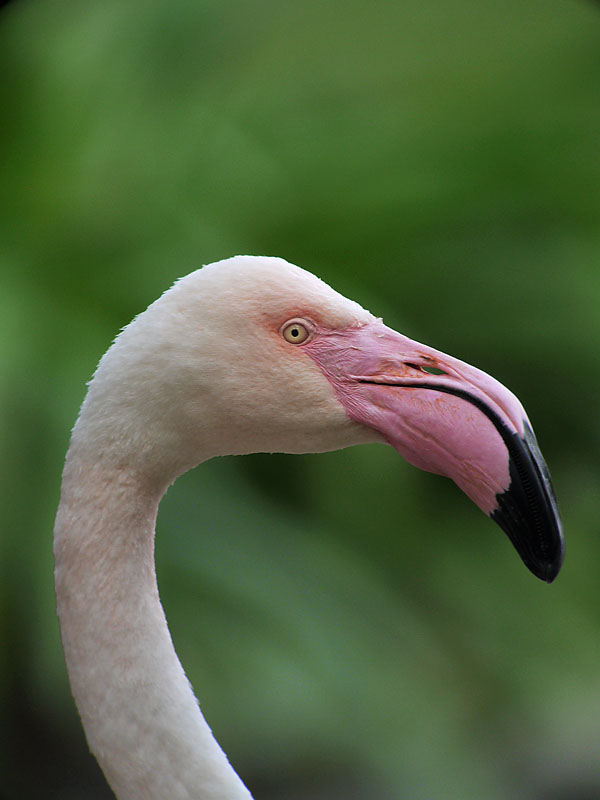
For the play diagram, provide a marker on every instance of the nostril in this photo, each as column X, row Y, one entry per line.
column 426, row 368
column 434, row 370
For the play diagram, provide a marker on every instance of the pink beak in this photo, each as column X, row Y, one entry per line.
column 447, row 417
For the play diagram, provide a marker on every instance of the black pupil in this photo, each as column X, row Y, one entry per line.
column 295, row 332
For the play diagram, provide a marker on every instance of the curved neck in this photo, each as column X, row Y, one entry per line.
column 139, row 712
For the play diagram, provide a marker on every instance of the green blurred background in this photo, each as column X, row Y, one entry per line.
column 354, row 628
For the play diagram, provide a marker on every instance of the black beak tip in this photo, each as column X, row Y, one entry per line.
column 528, row 512
column 551, row 572
column 536, row 536
column 548, row 570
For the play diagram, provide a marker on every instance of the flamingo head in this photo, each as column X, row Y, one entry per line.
column 256, row 355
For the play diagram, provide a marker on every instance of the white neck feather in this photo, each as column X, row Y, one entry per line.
column 139, row 712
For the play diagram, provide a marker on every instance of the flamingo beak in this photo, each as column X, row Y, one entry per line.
column 444, row 416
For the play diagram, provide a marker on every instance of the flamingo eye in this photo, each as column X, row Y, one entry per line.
column 295, row 332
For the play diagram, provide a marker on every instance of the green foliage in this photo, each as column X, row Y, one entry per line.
column 353, row 627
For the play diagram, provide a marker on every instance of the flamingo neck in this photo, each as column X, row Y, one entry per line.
column 139, row 712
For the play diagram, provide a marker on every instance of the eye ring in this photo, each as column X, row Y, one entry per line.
column 296, row 331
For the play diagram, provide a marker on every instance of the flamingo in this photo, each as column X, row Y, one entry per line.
column 250, row 354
